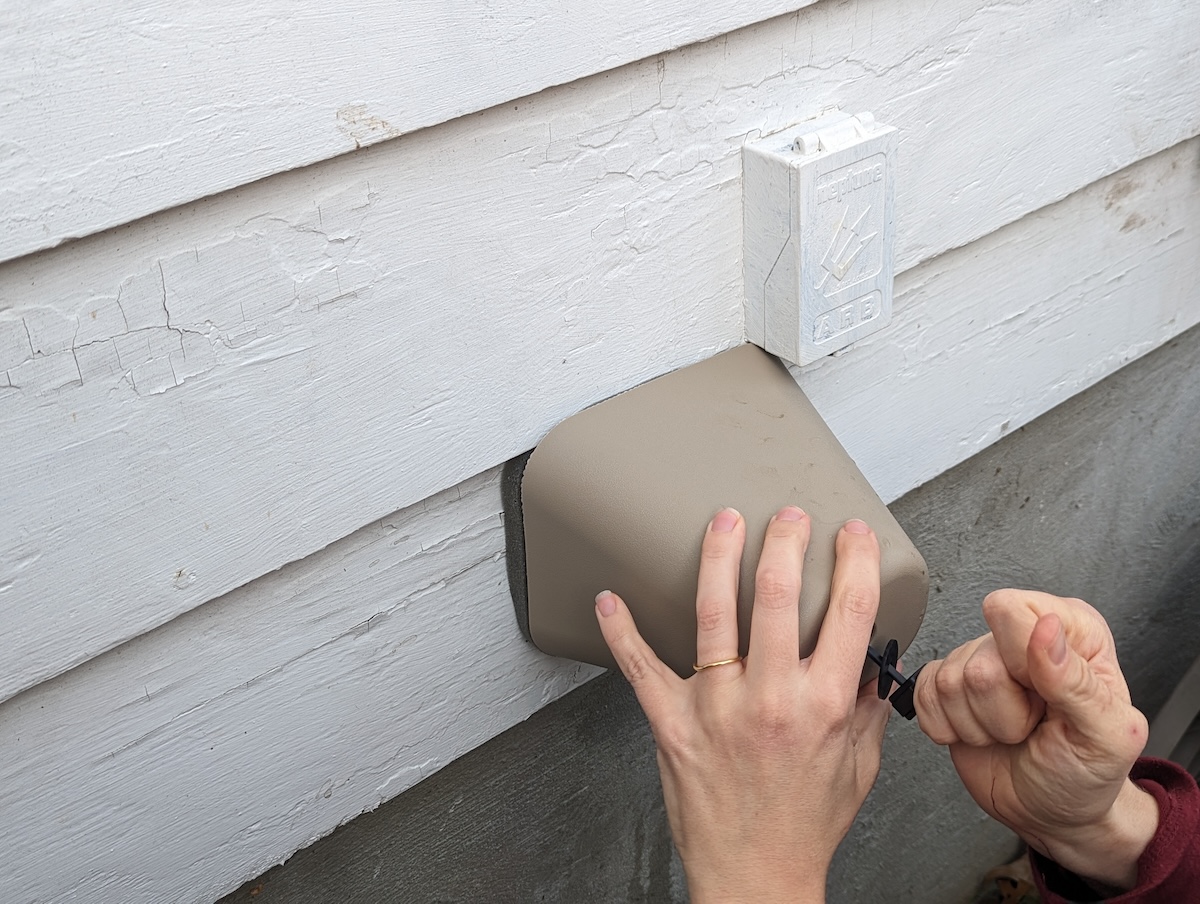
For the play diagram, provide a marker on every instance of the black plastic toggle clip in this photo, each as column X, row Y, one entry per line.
column 902, row 699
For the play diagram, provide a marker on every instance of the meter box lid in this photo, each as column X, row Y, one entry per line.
column 819, row 231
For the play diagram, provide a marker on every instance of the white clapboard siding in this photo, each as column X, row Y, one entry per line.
column 240, row 731
column 204, row 752
column 112, row 112
column 232, row 385
column 994, row 334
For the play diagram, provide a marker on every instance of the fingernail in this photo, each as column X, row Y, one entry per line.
column 606, row 603
column 1058, row 647
column 857, row 527
column 791, row 513
column 725, row 521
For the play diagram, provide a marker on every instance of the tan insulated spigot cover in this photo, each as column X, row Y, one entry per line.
column 618, row 497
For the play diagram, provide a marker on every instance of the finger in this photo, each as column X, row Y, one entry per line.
column 931, row 715
column 775, row 622
column 853, row 604
column 1012, row 615
column 951, row 685
column 1006, row 710
column 652, row 681
column 717, row 588
column 943, row 713
column 1073, row 691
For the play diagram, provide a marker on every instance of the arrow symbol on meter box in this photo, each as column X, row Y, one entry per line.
column 845, row 248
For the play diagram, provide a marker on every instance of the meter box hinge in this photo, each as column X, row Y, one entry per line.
column 819, row 233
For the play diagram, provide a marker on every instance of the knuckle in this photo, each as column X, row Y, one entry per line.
column 926, row 694
column 931, row 720
column 949, row 682
column 775, row 588
column 773, row 720
column 635, row 666
column 931, row 716
column 671, row 738
column 1140, row 727
column 710, row 616
column 860, row 602
column 832, row 715
column 939, row 732
column 1020, row 720
column 974, row 737
column 999, row 601
column 1137, row 732
column 984, row 676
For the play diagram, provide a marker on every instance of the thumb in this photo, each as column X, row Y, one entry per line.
column 1065, row 680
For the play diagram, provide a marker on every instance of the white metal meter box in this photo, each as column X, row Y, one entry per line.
column 819, row 235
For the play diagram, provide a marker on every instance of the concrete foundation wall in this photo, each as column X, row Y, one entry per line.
column 1099, row 498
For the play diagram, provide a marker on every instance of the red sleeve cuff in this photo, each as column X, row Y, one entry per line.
column 1169, row 868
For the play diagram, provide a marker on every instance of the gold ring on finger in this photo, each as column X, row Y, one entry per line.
column 713, row 665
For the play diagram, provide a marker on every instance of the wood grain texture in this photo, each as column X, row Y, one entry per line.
column 988, row 336
column 198, row 755
column 242, row 730
column 235, row 384
column 109, row 114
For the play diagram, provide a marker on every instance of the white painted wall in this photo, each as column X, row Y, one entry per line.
column 294, row 359
column 191, row 401
column 111, row 113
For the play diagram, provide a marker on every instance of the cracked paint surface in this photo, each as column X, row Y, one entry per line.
column 264, row 90
column 178, row 319
column 289, row 360
column 370, row 613
column 244, row 382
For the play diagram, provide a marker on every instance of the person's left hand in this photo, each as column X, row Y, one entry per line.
column 764, row 761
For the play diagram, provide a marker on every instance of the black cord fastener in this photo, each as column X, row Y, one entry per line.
column 902, row 700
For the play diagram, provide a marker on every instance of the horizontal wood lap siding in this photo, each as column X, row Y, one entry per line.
column 111, row 113
column 251, row 727
column 990, row 335
column 233, row 385
column 241, row 731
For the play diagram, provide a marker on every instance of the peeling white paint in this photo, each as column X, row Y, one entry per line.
column 110, row 114
column 309, row 352
column 162, row 326
column 192, row 401
column 217, row 723
column 1008, row 327
column 318, row 691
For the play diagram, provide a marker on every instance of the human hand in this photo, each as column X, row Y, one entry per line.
column 1042, row 732
column 764, row 761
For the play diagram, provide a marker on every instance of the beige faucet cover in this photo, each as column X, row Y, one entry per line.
column 618, row 497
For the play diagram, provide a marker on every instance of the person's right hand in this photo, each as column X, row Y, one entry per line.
column 1042, row 732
